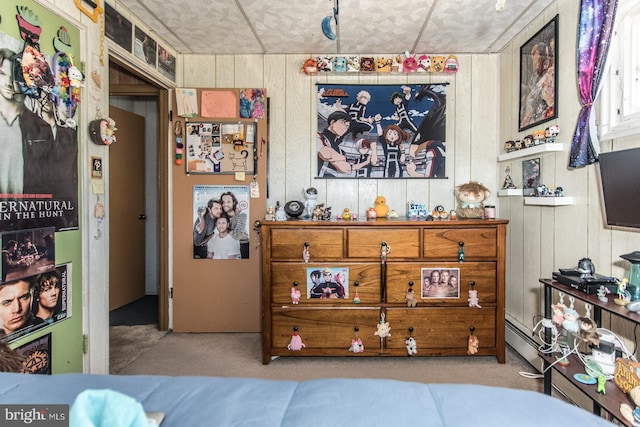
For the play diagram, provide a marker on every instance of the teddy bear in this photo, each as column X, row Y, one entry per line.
column 470, row 197
column 411, row 299
column 412, row 347
column 473, row 344
column 381, row 207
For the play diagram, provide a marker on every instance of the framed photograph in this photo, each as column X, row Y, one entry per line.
column 539, row 77
column 118, row 28
column 530, row 176
column 440, row 282
column 328, row 283
column 166, row 63
column 145, row 48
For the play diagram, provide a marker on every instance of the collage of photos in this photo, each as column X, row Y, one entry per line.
column 328, row 283
column 440, row 282
column 220, row 148
column 220, row 222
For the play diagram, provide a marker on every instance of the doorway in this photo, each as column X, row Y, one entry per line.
column 145, row 301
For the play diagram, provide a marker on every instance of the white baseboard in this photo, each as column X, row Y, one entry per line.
column 523, row 344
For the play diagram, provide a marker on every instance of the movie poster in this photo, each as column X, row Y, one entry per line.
column 44, row 300
column 39, row 60
column 37, row 355
column 220, row 222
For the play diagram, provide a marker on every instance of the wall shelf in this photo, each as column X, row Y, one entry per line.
column 548, row 201
column 542, row 148
column 507, row 192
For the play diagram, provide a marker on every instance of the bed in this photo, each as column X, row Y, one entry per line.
column 217, row 401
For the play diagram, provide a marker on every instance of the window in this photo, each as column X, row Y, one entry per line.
column 620, row 101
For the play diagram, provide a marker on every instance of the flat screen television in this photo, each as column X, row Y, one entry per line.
column 620, row 177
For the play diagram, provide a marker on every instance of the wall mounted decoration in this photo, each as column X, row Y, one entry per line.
column 37, row 355
column 118, row 28
column 530, row 176
column 145, row 48
column 213, row 237
column 218, row 148
column 166, row 63
column 381, row 131
column 539, row 77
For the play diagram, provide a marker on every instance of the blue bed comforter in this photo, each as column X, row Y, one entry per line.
column 217, row 401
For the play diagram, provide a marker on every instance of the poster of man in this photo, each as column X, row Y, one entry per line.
column 32, row 303
column 28, row 252
column 220, row 222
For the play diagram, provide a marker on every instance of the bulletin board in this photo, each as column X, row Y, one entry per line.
column 218, row 295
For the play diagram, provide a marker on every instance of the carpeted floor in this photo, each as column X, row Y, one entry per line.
column 239, row 355
column 140, row 312
column 127, row 343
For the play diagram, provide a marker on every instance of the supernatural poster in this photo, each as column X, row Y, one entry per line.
column 381, row 131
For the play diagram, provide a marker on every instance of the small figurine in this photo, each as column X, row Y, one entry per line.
column 602, row 293
column 326, row 214
column 295, row 295
column 371, row 213
column 353, row 64
column 437, row 63
column 424, row 63
column 383, row 65
column 412, row 347
column 270, row 216
column 588, row 331
column 602, row 381
column 570, row 322
column 508, row 181
column 340, row 64
column 310, row 195
column 317, row 212
column 509, row 146
column 346, row 214
column 451, row 65
column 310, row 66
column 410, row 64
column 367, row 63
column 624, row 297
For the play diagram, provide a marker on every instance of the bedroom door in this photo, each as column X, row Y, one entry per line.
column 126, row 210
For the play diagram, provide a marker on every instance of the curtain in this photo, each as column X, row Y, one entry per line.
column 594, row 37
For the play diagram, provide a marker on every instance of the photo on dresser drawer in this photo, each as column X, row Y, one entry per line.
column 440, row 282
column 328, row 282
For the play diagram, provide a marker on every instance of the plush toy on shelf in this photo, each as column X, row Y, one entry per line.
column 381, row 207
column 470, row 197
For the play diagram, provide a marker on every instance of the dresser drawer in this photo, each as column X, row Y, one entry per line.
column 479, row 243
column 325, row 331
column 284, row 274
column 366, row 242
column 440, row 327
column 483, row 274
column 324, row 243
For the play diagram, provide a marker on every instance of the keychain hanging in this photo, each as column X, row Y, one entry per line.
column 356, row 344
column 412, row 346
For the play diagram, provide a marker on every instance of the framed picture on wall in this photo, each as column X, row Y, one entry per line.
column 530, row 176
column 539, row 77
column 118, row 28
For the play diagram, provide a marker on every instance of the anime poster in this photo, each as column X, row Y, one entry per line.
column 221, row 222
column 145, row 48
column 381, row 131
column 37, row 354
column 328, row 283
column 440, row 282
column 220, row 148
column 44, row 299
column 117, row 27
column 530, row 176
column 41, row 90
column 27, row 253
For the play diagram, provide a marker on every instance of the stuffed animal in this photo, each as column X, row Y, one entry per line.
column 356, row 346
column 470, row 197
column 473, row 344
column 570, row 322
column 411, row 299
column 437, row 63
column 296, row 343
column 558, row 314
column 384, row 330
column 588, row 330
column 412, row 347
column 473, row 298
column 310, row 66
column 295, row 295
column 381, row 207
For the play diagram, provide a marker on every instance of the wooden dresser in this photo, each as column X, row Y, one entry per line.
column 380, row 261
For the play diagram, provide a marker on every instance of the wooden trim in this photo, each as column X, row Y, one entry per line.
column 163, row 192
